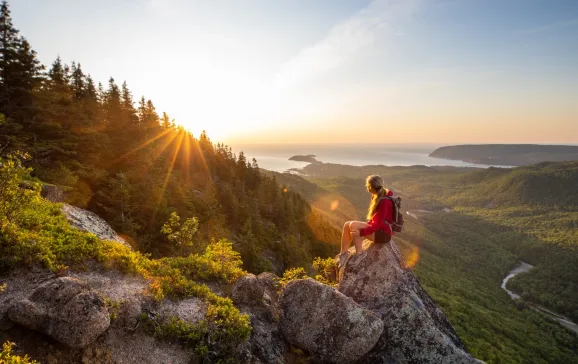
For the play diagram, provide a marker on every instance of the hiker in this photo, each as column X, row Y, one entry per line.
column 380, row 212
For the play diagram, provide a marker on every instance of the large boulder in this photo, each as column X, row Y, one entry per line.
column 256, row 297
column 90, row 222
column 330, row 326
column 247, row 290
column 416, row 331
column 64, row 309
column 267, row 281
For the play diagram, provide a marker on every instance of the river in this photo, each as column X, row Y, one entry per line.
column 525, row 267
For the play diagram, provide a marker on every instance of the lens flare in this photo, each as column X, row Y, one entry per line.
column 412, row 258
column 133, row 244
column 334, row 205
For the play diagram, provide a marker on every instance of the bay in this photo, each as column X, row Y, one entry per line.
column 275, row 157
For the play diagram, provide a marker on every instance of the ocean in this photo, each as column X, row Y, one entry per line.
column 275, row 157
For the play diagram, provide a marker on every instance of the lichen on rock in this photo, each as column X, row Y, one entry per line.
column 329, row 325
column 64, row 309
column 416, row 330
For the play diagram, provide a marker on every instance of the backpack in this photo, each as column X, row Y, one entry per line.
column 397, row 223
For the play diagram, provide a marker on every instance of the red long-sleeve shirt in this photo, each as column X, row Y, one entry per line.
column 378, row 221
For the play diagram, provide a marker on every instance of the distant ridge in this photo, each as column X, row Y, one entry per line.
column 507, row 154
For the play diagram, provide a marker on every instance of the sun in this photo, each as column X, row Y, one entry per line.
column 226, row 105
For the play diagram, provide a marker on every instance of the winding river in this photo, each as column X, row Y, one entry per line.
column 522, row 268
column 525, row 267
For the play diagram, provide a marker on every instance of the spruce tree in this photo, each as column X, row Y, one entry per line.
column 9, row 43
column 20, row 75
column 129, row 118
column 19, row 71
column 77, row 82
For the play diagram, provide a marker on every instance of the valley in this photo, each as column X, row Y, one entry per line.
column 472, row 240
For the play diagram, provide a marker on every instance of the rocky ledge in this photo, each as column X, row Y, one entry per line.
column 379, row 313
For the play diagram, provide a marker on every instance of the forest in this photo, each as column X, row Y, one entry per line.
column 134, row 166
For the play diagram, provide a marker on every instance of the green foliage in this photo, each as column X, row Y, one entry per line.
column 7, row 357
column 292, row 274
column 176, row 328
column 113, row 307
column 12, row 196
column 38, row 233
column 212, row 340
column 219, row 262
column 115, row 199
column 181, row 235
column 326, row 271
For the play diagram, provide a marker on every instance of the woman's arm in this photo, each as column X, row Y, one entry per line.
column 377, row 221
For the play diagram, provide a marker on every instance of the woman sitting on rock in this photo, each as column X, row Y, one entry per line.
column 379, row 213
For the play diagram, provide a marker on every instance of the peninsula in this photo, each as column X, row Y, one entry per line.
column 507, row 154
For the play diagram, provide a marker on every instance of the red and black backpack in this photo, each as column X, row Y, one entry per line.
column 397, row 223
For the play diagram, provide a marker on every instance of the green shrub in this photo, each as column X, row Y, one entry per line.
column 6, row 356
column 36, row 232
column 325, row 271
column 13, row 197
column 292, row 274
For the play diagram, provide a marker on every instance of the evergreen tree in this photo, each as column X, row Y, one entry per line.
column 9, row 44
column 77, row 82
column 129, row 118
column 57, row 74
column 112, row 106
column 116, row 203
column 20, row 71
column 166, row 121
column 91, row 91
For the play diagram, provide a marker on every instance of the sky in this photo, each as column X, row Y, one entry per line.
column 330, row 71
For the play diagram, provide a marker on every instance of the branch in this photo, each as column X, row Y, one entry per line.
column 4, row 147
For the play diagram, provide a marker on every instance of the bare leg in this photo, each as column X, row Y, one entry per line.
column 345, row 237
column 357, row 225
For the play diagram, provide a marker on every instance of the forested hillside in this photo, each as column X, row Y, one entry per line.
column 508, row 154
column 538, row 201
column 134, row 166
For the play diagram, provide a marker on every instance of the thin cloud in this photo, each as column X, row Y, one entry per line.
column 346, row 40
column 549, row 27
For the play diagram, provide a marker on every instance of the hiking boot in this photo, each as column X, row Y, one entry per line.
column 357, row 258
column 341, row 259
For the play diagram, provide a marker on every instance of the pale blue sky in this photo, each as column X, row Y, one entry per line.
column 333, row 71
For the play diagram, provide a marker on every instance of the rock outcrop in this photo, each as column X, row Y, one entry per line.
column 416, row 331
column 64, row 309
column 124, row 342
column 92, row 223
column 52, row 193
column 330, row 326
column 256, row 296
column 379, row 314
column 247, row 290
